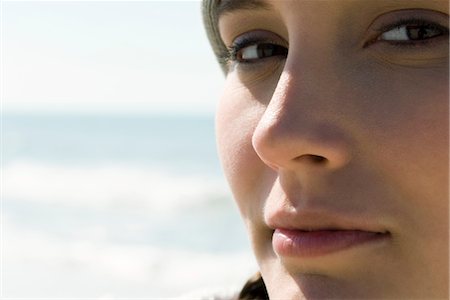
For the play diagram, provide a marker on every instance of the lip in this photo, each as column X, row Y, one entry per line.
column 313, row 243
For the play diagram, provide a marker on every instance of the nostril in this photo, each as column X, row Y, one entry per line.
column 318, row 159
column 315, row 159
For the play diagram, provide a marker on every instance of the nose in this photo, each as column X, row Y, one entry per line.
column 299, row 129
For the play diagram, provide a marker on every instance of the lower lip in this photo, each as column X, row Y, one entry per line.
column 320, row 242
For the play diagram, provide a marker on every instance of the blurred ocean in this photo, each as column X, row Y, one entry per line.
column 116, row 207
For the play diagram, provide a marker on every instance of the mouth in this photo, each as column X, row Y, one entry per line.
column 320, row 242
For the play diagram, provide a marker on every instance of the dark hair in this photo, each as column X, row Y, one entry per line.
column 254, row 289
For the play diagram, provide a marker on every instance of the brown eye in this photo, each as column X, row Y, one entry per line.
column 411, row 33
column 260, row 51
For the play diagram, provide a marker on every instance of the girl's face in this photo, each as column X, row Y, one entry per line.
column 333, row 133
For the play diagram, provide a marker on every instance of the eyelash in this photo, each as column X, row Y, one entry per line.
column 405, row 22
column 247, row 41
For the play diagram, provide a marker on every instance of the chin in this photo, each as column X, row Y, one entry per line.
column 315, row 287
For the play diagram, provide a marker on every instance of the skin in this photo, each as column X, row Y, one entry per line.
column 377, row 117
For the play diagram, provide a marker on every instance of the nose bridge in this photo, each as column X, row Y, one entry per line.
column 299, row 125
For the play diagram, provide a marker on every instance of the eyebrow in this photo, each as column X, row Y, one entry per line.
column 229, row 6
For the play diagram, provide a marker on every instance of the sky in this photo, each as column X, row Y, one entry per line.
column 107, row 57
column 81, row 213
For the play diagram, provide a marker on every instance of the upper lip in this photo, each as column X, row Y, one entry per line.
column 321, row 220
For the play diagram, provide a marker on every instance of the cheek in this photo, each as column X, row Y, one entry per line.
column 422, row 165
column 415, row 161
column 409, row 140
column 236, row 118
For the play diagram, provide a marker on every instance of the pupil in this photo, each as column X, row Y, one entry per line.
column 420, row 32
column 265, row 50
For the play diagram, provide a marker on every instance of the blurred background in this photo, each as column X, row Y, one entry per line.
column 111, row 185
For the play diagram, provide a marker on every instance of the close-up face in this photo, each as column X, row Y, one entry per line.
column 333, row 134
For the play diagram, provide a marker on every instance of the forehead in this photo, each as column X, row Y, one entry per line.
column 228, row 6
column 322, row 9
